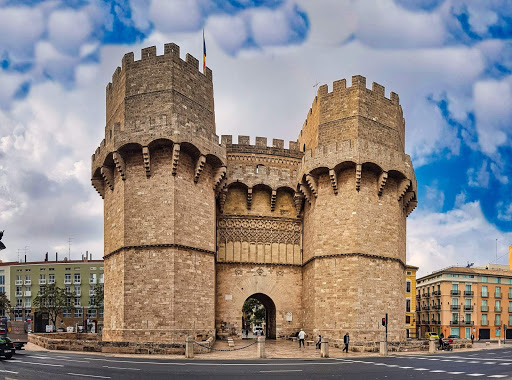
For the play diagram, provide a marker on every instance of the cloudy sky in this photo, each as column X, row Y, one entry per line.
column 450, row 61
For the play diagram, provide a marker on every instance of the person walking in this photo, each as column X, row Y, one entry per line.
column 319, row 342
column 301, row 337
column 346, row 340
column 472, row 338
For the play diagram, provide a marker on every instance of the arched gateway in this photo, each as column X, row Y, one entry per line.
column 270, row 314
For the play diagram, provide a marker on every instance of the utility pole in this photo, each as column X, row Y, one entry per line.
column 69, row 248
column 496, row 251
column 386, row 329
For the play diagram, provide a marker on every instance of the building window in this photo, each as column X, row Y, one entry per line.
column 77, row 268
column 408, row 319
column 2, row 280
column 66, row 313
column 51, row 268
column 498, row 332
column 259, row 168
column 18, row 291
column 41, row 269
column 101, row 312
column 28, row 303
column 484, row 279
column 19, row 302
column 27, row 270
column 101, row 278
column 78, row 291
column 79, row 313
column 67, row 278
column 91, row 313
column 484, row 320
column 51, row 278
column 455, row 317
column 408, row 286
column 497, row 292
column 67, row 289
column 484, row 291
column 92, row 278
column 93, row 268
column 497, row 306
column 498, row 280
column 497, row 320
column 408, row 305
column 77, row 278
column 77, row 302
column 409, row 273
column 68, row 268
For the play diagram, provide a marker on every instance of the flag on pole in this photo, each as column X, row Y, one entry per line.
column 204, row 54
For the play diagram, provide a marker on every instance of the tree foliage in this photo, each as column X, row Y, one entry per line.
column 53, row 300
column 254, row 311
column 5, row 304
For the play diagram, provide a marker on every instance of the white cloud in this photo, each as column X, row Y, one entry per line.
column 229, row 32
column 504, row 211
column 175, row 16
column 480, row 177
column 68, row 29
column 459, row 236
column 20, row 29
column 492, row 100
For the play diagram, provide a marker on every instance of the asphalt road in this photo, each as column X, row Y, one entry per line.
column 452, row 365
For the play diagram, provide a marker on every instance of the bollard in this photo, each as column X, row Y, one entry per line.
column 383, row 348
column 324, row 348
column 189, row 347
column 261, row 346
column 432, row 345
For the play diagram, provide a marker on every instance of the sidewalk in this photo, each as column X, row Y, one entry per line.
column 274, row 349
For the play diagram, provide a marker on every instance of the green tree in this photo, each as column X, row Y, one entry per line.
column 96, row 300
column 52, row 299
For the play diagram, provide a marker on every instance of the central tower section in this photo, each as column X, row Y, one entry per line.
column 158, row 169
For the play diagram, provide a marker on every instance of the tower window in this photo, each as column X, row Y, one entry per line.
column 259, row 168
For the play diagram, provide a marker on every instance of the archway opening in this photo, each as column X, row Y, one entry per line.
column 259, row 313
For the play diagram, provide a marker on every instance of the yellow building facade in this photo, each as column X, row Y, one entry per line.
column 463, row 301
column 410, row 302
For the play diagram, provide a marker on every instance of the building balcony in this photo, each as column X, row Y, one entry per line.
column 455, row 292
column 497, row 309
column 485, row 295
column 454, row 323
column 434, row 322
column 67, row 282
column 28, row 293
column 436, row 293
column 436, row 307
column 497, row 295
column 418, row 296
column 77, row 282
column 468, row 293
column 468, row 307
column 425, row 307
column 92, row 282
column 28, row 282
column 485, row 308
column 469, row 323
column 484, row 323
column 19, row 294
column 92, row 293
column 424, row 322
column 19, row 282
column 497, row 323
column 426, row 294
column 51, row 281
column 42, row 281
column 454, row 307
column 418, row 308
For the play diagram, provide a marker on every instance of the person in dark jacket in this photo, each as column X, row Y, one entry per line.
column 346, row 340
column 319, row 342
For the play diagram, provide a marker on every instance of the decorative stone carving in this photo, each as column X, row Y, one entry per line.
column 147, row 163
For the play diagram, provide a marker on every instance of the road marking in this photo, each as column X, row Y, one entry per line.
column 4, row 370
column 405, row 367
column 473, row 362
column 55, row 358
column 421, row 369
column 45, row 364
column 133, row 369
column 505, row 363
column 489, row 363
column 438, row 370
column 84, row 375
column 455, row 373
column 433, row 359
column 476, row 374
column 284, row 370
column 459, row 361
column 446, row 360
column 498, row 376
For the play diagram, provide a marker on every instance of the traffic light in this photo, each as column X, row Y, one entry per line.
column 2, row 246
column 384, row 322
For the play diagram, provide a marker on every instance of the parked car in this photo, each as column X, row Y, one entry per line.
column 430, row 334
column 7, row 348
column 255, row 330
column 453, row 337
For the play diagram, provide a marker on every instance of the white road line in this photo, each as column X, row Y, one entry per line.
column 380, row 364
column 133, row 369
column 85, row 375
column 405, row 367
column 45, row 364
column 498, row 376
column 455, row 373
column 489, row 363
column 476, row 374
column 433, row 359
column 446, row 360
column 473, row 362
column 505, row 363
column 66, row 360
column 284, row 370
column 459, row 361
column 421, row 369
column 4, row 370
column 438, row 370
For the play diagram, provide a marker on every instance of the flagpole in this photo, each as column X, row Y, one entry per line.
column 204, row 54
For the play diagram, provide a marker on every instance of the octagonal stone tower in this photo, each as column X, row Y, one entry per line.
column 158, row 170
column 359, row 187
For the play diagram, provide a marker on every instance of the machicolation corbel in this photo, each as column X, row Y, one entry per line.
column 120, row 165
column 273, row 198
column 409, row 196
column 311, row 181
column 147, row 161
column 305, row 191
column 382, row 181
column 219, row 176
column 249, row 198
column 108, row 176
column 297, row 199
column 175, row 157
column 199, row 167
column 222, row 199
column 402, row 188
column 99, row 186
column 358, row 176
column 411, row 206
column 334, row 180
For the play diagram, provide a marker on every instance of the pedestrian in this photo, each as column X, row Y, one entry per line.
column 472, row 338
column 319, row 342
column 301, row 337
column 441, row 341
column 346, row 340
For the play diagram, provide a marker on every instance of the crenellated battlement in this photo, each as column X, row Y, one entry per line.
column 260, row 146
column 349, row 112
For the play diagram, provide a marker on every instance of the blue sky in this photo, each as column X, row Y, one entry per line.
column 450, row 61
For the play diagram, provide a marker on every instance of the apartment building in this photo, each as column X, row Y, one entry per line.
column 410, row 302
column 22, row 281
column 461, row 301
